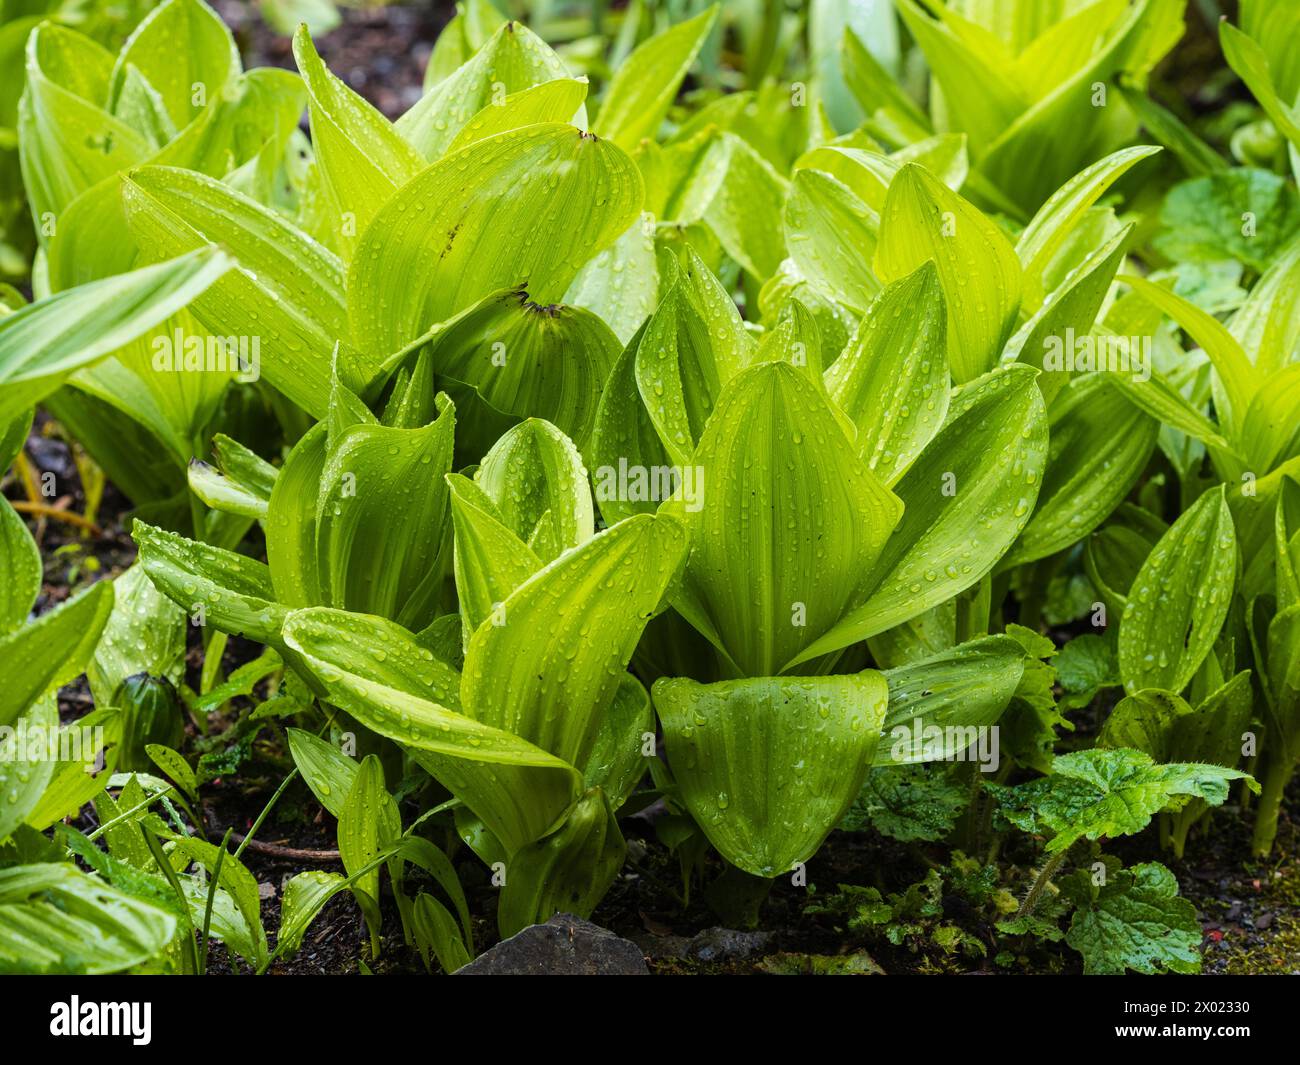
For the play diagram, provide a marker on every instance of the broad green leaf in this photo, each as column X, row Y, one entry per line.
column 625, row 449
column 527, row 360
column 1099, row 444
column 549, row 672
column 1243, row 214
column 1096, row 793
column 184, row 51
column 229, row 591
column 767, row 767
column 745, row 210
column 618, row 759
column 491, row 561
column 785, row 524
column 621, row 284
column 469, row 29
column 1043, row 237
column 1179, row 598
column 1051, row 340
column 381, row 519
column 56, row 919
column 544, row 199
column 67, row 141
column 45, row 342
column 363, row 160
column 558, row 100
column 569, row 871
column 892, row 379
column 286, row 289
column 145, row 633
column 513, row 59
column 832, row 235
column 961, row 691
column 644, row 86
column 20, row 560
column 1135, row 920
column 52, row 649
column 373, row 669
column 24, row 772
column 291, row 522
column 966, row 499
column 535, row 478
column 72, row 784
column 694, row 343
column 977, row 266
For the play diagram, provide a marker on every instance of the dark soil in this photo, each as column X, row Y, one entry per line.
column 380, row 52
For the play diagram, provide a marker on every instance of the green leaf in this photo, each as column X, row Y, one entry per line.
column 832, row 236
column 328, row 771
column 694, row 343
column 645, row 84
column 1239, row 378
column 368, row 822
column 67, row 141
column 1099, row 444
column 42, row 344
column 569, row 871
column 535, row 479
column 548, row 672
column 908, row 803
column 53, row 649
column 892, row 379
column 763, row 582
column 381, row 518
column 621, row 284
column 363, row 160
column 56, row 919
column 511, row 60
column 374, row 669
column 1202, row 219
column 767, row 767
column 20, row 560
column 491, row 561
column 527, row 360
column 25, row 773
column 1135, row 921
column 1049, row 229
column 185, row 53
column 1180, row 598
column 145, row 633
column 233, row 591
column 544, row 199
column 965, row 499
column 978, row 268
column 1098, row 793
column 235, row 878
column 960, row 691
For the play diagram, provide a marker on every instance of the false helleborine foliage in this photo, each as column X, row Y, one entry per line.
column 545, row 494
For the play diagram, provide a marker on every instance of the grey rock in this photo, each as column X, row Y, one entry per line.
column 727, row 944
column 564, row 946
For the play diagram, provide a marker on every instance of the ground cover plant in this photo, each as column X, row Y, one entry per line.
column 830, row 471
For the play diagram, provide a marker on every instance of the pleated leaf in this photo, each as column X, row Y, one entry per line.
column 526, row 207
column 1180, row 598
column 767, row 767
